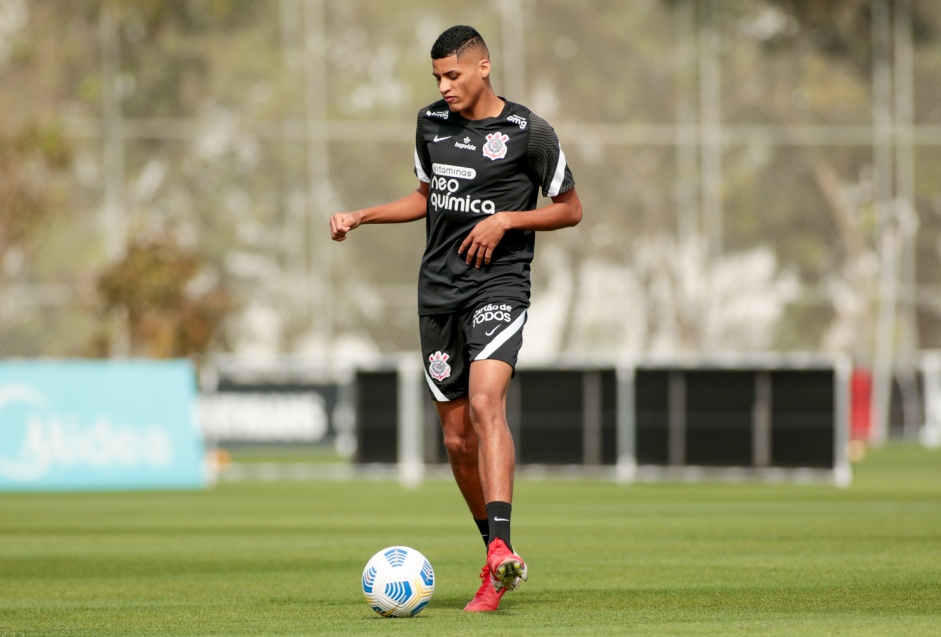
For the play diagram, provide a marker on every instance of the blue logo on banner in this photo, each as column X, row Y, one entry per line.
column 99, row 425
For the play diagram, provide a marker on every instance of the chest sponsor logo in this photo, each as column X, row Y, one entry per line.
column 445, row 191
column 495, row 148
column 519, row 121
column 446, row 170
column 465, row 145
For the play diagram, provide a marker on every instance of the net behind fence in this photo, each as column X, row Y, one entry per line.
column 755, row 175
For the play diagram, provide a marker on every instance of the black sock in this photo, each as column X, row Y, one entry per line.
column 498, row 516
column 484, row 527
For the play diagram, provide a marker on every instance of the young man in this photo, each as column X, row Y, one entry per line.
column 481, row 162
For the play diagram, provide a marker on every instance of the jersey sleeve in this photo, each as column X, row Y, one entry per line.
column 547, row 159
column 422, row 158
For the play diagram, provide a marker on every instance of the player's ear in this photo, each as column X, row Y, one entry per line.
column 484, row 68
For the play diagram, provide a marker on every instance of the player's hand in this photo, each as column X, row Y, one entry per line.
column 479, row 245
column 342, row 222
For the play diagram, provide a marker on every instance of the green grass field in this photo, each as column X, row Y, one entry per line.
column 285, row 558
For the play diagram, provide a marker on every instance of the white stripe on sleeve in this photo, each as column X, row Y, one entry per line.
column 422, row 176
column 557, row 178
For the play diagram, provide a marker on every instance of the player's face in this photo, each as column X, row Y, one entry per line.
column 461, row 81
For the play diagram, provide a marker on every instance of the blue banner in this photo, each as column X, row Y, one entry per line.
column 97, row 425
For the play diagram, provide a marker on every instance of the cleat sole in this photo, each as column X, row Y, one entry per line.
column 509, row 574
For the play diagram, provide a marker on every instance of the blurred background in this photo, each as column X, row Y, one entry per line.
column 757, row 176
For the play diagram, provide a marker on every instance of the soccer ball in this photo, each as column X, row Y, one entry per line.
column 398, row 582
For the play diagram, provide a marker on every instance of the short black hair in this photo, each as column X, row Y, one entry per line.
column 457, row 40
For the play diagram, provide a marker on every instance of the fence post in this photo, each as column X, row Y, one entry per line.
column 410, row 417
column 626, row 469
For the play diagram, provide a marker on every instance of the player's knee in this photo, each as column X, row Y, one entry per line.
column 462, row 452
column 485, row 407
column 456, row 444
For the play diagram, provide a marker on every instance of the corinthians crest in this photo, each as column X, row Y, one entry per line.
column 495, row 148
column 439, row 368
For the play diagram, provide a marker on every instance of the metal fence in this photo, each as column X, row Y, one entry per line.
column 756, row 175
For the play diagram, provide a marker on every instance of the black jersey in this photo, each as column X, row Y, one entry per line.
column 476, row 168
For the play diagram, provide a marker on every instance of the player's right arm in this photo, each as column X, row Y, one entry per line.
column 409, row 208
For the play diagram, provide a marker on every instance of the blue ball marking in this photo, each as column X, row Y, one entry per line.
column 427, row 574
column 399, row 592
column 396, row 557
column 369, row 578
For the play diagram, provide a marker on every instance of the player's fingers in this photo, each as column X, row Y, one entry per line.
column 340, row 226
column 472, row 253
column 336, row 233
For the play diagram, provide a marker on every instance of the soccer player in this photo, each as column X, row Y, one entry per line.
column 481, row 161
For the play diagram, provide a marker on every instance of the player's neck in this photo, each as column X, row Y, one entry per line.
column 488, row 105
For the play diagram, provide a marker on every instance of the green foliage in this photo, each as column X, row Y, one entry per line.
column 220, row 135
column 29, row 157
column 153, row 288
column 285, row 558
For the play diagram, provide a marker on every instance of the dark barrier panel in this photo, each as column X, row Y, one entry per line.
column 557, row 417
column 735, row 417
column 609, row 417
column 718, row 417
column 550, row 417
column 279, row 412
column 732, row 416
column 652, row 400
column 564, row 416
column 802, row 408
column 376, row 416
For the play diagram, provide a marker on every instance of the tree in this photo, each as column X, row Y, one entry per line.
column 173, row 306
column 29, row 158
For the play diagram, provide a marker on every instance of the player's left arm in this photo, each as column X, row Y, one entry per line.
column 565, row 211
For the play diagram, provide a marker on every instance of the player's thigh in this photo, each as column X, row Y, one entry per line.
column 488, row 383
column 443, row 346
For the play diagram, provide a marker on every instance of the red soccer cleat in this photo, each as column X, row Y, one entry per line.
column 487, row 598
column 506, row 567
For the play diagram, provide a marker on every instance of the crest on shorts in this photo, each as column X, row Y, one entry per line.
column 495, row 148
column 439, row 368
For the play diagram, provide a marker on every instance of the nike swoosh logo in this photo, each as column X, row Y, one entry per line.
column 441, row 139
column 492, row 331
column 501, row 520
